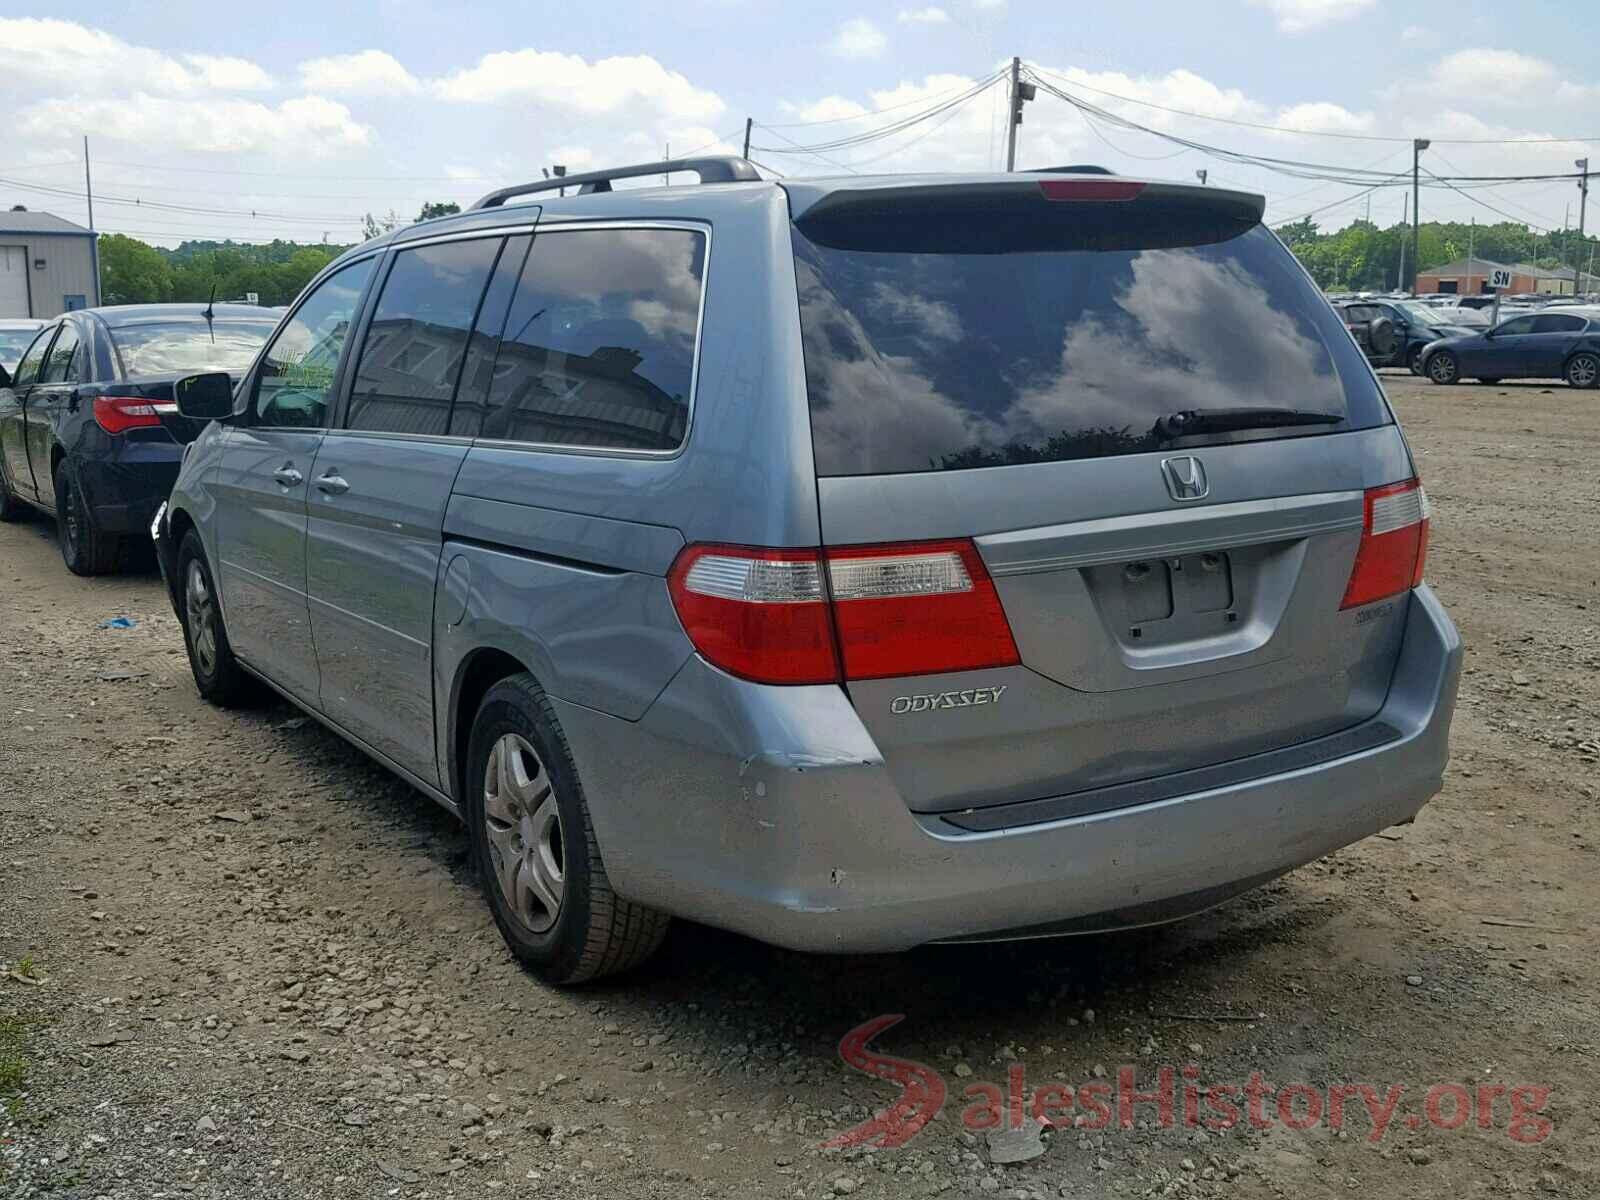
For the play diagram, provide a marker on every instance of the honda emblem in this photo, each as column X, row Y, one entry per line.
column 1186, row 478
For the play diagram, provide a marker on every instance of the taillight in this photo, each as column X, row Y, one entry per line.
column 755, row 613
column 118, row 414
column 917, row 608
column 1394, row 543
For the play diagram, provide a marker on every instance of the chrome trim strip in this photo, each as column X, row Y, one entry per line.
column 1179, row 531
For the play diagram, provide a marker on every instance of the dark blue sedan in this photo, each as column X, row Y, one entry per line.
column 1561, row 343
column 89, row 426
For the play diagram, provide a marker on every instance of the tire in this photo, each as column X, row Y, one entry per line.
column 217, row 673
column 1582, row 370
column 1414, row 360
column 1443, row 367
column 11, row 508
column 84, row 548
column 535, row 849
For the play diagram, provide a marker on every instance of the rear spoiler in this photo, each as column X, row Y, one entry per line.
column 1076, row 211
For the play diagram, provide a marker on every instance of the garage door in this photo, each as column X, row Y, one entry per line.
column 14, row 281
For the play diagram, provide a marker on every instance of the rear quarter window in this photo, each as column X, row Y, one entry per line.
column 598, row 346
column 928, row 360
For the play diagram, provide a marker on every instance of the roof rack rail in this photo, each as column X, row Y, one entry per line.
column 1074, row 169
column 717, row 169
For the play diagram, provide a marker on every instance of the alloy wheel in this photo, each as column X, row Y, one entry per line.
column 1442, row 368
column 1583, row 370
column 201, row 606
column 523, row 824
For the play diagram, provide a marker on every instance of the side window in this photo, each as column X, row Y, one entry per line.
column 1557, row 323
column 599, row 345
column 472, row 393
column 1514, row 326
column 33, row 357
column 294, row 382
column 62, row 365
column 417, row 339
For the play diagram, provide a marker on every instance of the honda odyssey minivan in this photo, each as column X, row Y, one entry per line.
column 852, row 563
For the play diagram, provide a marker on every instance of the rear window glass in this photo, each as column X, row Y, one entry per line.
column 158, row 348
column 920, row 359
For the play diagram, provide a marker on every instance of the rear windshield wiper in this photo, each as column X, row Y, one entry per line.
column 1222, row 420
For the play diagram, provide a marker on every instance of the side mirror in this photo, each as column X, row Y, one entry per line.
column 207, row 397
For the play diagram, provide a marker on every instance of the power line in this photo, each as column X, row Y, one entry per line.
column 1359, row 137
column 891, row 128
column 866, row 115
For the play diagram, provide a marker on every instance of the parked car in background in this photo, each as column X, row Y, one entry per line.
column 1560, row 343
column 709, row 552
column 89, row 432
column 15, row 334
column 1392, row 333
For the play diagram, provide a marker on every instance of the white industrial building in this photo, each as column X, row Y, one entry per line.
column 47, row 265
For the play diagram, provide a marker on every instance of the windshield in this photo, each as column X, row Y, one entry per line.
column 928, row 361
column 1422, row 314
column 13, row 342
column 163, row 347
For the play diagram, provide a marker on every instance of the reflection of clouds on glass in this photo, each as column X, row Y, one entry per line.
column 919, row 361
column 1158, row 352
column 872, row 406
column 162, row 349
column 926, row 319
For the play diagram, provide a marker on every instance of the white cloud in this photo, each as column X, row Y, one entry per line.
column 924, row 16
column 569, row 81
column 1416, row 33
column 1300, row 16
column 45, row 50
column 1485, row 77
column 858, row 38
column 370, row 73
column 1321, row 116
column 228, row 74
column 308, row 126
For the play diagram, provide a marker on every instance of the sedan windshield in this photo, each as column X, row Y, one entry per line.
column 162, row 347
column 1423, row 315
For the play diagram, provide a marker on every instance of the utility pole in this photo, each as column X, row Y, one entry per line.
column 94, row 242
column 1019, row 92
column 1400, row 275
column 1472, row 236
column 748, row 123
column 1583, row 203
column 1418, row 145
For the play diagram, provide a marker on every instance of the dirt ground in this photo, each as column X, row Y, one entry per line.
column 240, row 961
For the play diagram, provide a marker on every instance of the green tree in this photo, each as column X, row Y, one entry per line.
column 132, row 272
column 437, row 209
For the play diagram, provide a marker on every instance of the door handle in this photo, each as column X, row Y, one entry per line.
column 333, row 483
column 287, row 476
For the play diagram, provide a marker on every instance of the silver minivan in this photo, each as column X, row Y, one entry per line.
column 852, row 563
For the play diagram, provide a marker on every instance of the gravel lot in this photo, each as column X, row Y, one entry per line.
column 240, row 961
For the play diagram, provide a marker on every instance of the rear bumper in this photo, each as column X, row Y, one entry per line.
column 769, row 811
column 125, row 489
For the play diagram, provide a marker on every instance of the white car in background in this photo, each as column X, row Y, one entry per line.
column 15, row 334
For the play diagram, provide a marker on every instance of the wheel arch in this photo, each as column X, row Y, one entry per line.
column 477, row 672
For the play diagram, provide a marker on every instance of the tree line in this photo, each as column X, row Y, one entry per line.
column 135, row 272
column 1363, row 257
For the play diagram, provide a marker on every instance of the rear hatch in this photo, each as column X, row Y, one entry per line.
column 1089, row 379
